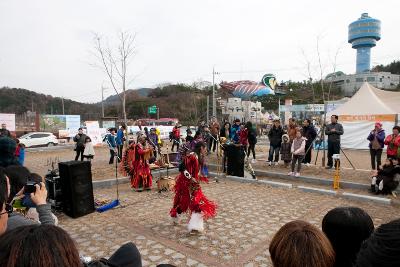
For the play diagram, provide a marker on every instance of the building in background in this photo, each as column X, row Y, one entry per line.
column 352, row 82
column 363, row 35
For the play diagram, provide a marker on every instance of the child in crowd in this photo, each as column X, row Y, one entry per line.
column 384, row 180
column 88, row 153
column 298, row 151
column 243, row 136
column 20, row 152
column 286, row 154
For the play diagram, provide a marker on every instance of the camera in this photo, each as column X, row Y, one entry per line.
column 30, row 187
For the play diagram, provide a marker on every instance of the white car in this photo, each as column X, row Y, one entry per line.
column 38, row 139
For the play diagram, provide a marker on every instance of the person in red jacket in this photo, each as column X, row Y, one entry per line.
column 176, row 136
column 393, row 142
column 243, row 136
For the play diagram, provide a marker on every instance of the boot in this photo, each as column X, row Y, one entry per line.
column 372, row 190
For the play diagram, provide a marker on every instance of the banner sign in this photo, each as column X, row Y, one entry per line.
column 8, row 120
column 72, row 121
column 54, row 123
column 373, row 118
column 307, row 107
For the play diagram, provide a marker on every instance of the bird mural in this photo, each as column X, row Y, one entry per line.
column 247, row 89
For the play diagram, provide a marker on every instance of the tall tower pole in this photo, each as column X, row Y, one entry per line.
column 62, row 102
column 363, row 35
column 214, row 108
column 102, row 101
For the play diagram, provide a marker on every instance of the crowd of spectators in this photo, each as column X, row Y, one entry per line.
column 347, row 239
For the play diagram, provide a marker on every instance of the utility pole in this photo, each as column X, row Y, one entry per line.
column 214, row 106
column 102, row 101
column 158, row 113
column 62, row 102
column 208, row 108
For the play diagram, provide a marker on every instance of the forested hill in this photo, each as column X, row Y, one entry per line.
column 393, row 67
column 19, row 101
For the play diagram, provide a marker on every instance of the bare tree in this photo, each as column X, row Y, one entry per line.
column 334, row 65
column 115, row 62
column 309, row 76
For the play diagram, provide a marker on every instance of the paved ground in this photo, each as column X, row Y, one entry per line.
column 248, row 216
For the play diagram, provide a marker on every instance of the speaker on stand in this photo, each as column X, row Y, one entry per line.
column 77, row 188
column 54, row 193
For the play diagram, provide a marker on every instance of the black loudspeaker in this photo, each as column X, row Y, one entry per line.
column 76, row 187
column 54, row 194
column 235, row 160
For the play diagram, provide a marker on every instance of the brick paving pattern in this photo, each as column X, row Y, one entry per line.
column 248, row 217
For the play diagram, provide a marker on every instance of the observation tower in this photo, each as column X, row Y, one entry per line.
column 363, row 34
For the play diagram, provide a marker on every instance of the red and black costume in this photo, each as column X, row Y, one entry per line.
column 135, row 164
column 189, row 196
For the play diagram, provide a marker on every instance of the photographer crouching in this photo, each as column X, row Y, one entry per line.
column 25, row 191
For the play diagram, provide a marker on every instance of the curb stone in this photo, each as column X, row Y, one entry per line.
column 381, row 200
column 317, row 190
column 359, row 197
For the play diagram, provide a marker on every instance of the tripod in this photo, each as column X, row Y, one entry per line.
column 321, row 132
column 219, row 146
column 115, row 202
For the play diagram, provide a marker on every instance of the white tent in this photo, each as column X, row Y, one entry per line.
column 366, row 107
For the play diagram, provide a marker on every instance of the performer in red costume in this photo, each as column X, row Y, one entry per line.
column 135, row 164
column 188, row 193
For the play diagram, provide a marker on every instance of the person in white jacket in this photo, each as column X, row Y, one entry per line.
column 88, row 153
column 298, row 150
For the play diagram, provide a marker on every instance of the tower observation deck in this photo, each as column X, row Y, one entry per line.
column 363, row 34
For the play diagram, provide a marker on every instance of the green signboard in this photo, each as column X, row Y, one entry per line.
column 152, row 110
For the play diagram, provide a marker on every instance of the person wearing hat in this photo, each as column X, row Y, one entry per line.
column 120, row 139
column 376, row 140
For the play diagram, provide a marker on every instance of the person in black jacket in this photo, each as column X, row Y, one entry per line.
column 252, row 139
column 275, row 139
column 384, row 181
column 309, row 133
column 333, row 130
column 80, row 143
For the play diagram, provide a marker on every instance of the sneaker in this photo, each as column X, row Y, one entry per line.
column 328, row 167
column 253, row 161
column 276, row 163
column 297, row 174
column 308, row 164
column 269, row 163
column 290, row 174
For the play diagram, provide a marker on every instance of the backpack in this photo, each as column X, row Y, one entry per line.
column 171, row 135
